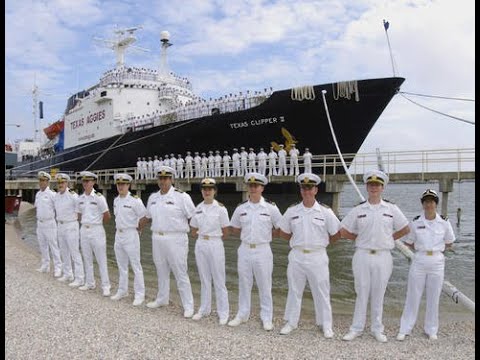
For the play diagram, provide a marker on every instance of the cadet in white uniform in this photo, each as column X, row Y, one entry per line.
column 218, row 164
column 294, row 168
column 204, row 165
column 236, row 163
column 282, row 161
column 243, row 161
column 197, row 162
column 226, row 164
column 93, row 208
column 46, row 226
column 251, row 161
column 138, row 173
column 128, row 211
column 262, row 161
column 254, row 220
column 211, row 164
column 170, row 209
column 430, row 235
column 189, row 165
column 180, row 163
column 68, row 232
column 307, row 161
column 272, row 160
column 374, row 225
column 210, row 222
column 310, row 227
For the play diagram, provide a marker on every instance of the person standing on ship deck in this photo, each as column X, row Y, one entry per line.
column 307, row 161
column 218, row 164
column 243, row 161
column 180, row 163
column 272, row 160
column 430, row 235
column 150, row 168
column 130, row 215
column 310, row 227
column 236, row 163
column 46, row 225
column 156, row 164
column 204, row 166
column 282, row 161
column 294, row 169
column 252, row 157
column 197, row 160
column 169, row 210
column 262, row 162
column 255, row 221
column 68, row 232
column 189, row 165
column 139, row 169
column 211, row 164
column 374, row 225
column 226, row 164
column 93, row 211
column 211, row 223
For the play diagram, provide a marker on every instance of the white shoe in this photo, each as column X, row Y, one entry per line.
column 197, row 316
column 223, row 321
column 328, row 333
column 433, row 337
column 86, row 287
column 351, row 335
column 106, row 292
column 65, row 278
column 75, row 284
column 401, row 336
column 118, row 296
column 57, row 273
column 138, row 301
column 155, row 304
column 287, row 329
column 236, row 321
column 188, row 314
column 380, row 337
column 267, row 326
column 42, row 270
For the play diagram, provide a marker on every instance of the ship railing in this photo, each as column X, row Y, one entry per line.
column 13, row 174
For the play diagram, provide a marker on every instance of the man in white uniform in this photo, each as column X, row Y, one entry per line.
column 374, row 225
column 252, row 157
column 93, row 209
column 218, row 164
column 430, row 235
column 204, row 165
column 310, row 227
column 282, row 161
column 197, row 160
column 138, row 173
column 46, row 226
column 307, row 161
column 243, row 161
column 226, row 164
column 180, row 164
column 68, row 232
column 262, row 161
column 294, row 168
column 272, row 162
column 170, row 209
column 254, row 220
column 189, row 165
column 128, row 210
column 236, row 163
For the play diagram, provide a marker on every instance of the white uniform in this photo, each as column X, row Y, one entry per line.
column 204, row 166
column 210, row 256
column 294, row 168
column 272, row 160
column 156, row 166
column 308, row 259
column 372, row 261
column 226, row 165
column 69, row 235
column 138, row 173
column 47, row 230
column 170, row 213
column 189, row 166
column 282, row 162
column 179, row 169
column 307, row 162
column 262, row 162
column 218, row 165
column 426, row 271
column 150, row 169
column 236, row 164
column 92, row 236
column 197, row 161
column 243, row 162
column 255, row 259
column 128, row 211
column 251, row 162
column 211, row 165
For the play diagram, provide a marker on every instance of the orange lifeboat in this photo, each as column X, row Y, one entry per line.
column 54, row 129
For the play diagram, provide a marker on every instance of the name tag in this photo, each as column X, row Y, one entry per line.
column 93, row 203
column 154, row 202
column 126, row 206
column 263, row 214
column 361, row 216
column 319, row 219
column 389, row 215
column 421, row 227
column 243, row 214
column 198, row 212
column 295, row 217
column 169, row 203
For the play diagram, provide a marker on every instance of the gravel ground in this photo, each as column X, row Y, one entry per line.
column 45, row 319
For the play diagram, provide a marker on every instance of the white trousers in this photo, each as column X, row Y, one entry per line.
column 226, row 169
column 243, row 167
column 371, row 273
column 170, row 253
column 94, row 243
column 294, row 169
column 47, row 241
column 271, row 168
column 236, row 169
column 262, row 167
column 210, row 258
column 255, row 263
column 314, row 268
column 127, row 249
column 282, row 167
column 189, row 171
column 307, row 167
column 251, row 166
column 69, row 241
column 426, row 272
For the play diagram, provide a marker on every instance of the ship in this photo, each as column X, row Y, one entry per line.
column 139, row 112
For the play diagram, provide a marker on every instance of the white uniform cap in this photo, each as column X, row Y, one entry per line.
column 375, row 176
column 208, row 182
column 62, row 177
column 42, row 175
column 309, row 179
column 165, row 171
column 122, row 178
column 87, row 175
column 255, row 178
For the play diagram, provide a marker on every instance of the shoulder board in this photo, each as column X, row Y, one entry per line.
column 98, row 193
column 325, row 205
column 444, row 217
column 72, row 191
column 243, row 202
column 294, row 204
column 178, row 190
column 388, row 201
column 363, row 202
column 416, row 218
column 220, row 204
column 270, row 202
column 135, row 196
column 53, row 190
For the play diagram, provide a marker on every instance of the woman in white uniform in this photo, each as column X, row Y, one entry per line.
column 210, row 222
column 430, row 235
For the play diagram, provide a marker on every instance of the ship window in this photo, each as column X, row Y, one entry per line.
column 103, row 93
column 148, row 103
column 129, row 102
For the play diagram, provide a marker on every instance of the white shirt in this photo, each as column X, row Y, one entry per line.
column 294, row 153
column 65, row 205
column 272, row 155
column 170, row 212
column 310, row 227
column 307, row 158
column 210, row 219
column 430, row 235
column 128, row 210
column 374, row 225
column 44, row 202
column 92, row 207
column 282, row 154
column 256, row 221
column 236, row 157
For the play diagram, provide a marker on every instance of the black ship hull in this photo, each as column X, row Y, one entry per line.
column 278, row 120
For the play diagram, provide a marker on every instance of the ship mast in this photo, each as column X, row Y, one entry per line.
column 164, row 72
column 34, row 107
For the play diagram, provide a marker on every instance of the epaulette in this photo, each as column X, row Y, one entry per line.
column 98, row 193
column 416, row 218
column 444, row 217
column 72, row 191
column 53, row 190
column 294, row 204
column 270, row 202
column 220, row 204
column 325, row 205
column 136, row 196
column 178, row 190
column 243, row 202
column 388, row 201
column 362, row 202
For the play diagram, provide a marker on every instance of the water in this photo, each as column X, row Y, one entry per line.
column 460, row 266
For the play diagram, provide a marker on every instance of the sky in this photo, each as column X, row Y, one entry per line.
column 230, row 46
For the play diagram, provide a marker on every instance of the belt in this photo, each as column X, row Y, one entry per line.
column 126, row 229
column 254, row 246
column 308, row 251
column 209, row 237
column 168, row 233
column 61, row 222
column 88, row 226
column 429, row 252
column 45, row 220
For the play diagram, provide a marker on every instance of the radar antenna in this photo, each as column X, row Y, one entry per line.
column 164, row 39
column 124, row 38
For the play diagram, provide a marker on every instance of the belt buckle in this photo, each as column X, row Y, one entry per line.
column 120, row 230
column 373, row 252
column 61, row 222
column 252, row 246
column 305, row 251
column 160, row 233
column 429, row 252
column 87, row 226
column 206, row 237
